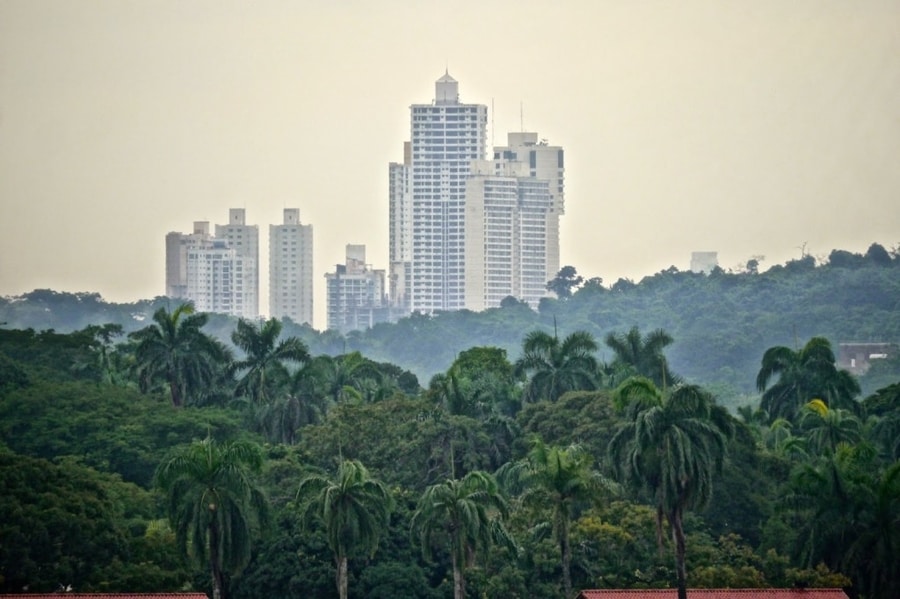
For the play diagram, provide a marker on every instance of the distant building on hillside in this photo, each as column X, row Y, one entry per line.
column 856, row 358
column 291, row 269
column 356, row 293
column 704, row 262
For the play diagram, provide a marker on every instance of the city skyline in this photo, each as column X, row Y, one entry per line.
column 764, row 129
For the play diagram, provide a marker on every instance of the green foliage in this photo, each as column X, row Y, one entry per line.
column 214, row 504
column 66, row 524
column 108, row 428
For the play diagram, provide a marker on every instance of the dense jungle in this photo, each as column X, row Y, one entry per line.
column 687, row 430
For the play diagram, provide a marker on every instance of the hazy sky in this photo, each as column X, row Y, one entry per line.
column 745, row 127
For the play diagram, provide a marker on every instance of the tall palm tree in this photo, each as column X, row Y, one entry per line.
column 559, row 477
column 175, row 350
column 264, row 361
column 670, row 447
column 466, row 515
column 642, row 355
column 789, row 379
column 214, row 503
column 558, row 366
column 354, row 508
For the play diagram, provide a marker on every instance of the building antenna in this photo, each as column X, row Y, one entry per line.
column 492, row 124
column 522, row 116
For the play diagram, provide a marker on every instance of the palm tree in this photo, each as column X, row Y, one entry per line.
column 264, row 360
column 556, row 367
column 669, row 447
column 464, row 514
column 797, row 377
column 827, row 428
column 214, row 504
column 176, row 350
column 339, row 378
column 561, row 478
column 354, row 508
column 642, row 355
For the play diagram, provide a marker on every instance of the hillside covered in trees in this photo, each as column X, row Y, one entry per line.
column 152, row 448
column 721, row 322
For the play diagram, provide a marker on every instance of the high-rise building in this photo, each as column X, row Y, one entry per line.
column 211, row 272
column 466, row 232
column 400, row 234
column 513, row 203
column 536, row 158
column 178, row 245
column 244, row 239
column 446, row 136
column 291, row 269
column 356, row 298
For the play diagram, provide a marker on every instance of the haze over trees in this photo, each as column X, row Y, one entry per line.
column 485, row 481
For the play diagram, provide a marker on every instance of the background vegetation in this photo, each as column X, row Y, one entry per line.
column 547, row 413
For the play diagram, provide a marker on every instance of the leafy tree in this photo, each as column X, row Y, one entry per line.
column 556, row 367
column 264, row 362
column 214, row 504
column 175, row 350
column 560, row 477
column 638, row 355
column 354, row 509
column 670, row 447
column 789, row 379
column 566, row 281
column 463, row 515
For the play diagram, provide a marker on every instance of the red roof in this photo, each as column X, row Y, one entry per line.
column 716, row 594
column 110, row 596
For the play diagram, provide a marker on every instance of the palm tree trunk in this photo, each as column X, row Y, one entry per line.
column 459, row 581
column 174, row 387
column 218, row 578
column 675, row 521
column 566, row 552
column 342, row 576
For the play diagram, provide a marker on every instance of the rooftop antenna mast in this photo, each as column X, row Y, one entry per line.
column 492, row 124
column 521, row 116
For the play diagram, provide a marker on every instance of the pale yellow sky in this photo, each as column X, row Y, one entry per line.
column 745, row 127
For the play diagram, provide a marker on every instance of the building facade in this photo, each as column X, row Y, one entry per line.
column 356, row 293
column 465, row 231
column 244, row 239
column 445, row 137
column 291, row 269
column 211, row 272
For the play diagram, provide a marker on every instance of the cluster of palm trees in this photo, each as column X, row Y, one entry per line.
column 666, row 451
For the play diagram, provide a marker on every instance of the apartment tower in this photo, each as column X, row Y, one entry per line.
column 291, row 269
column 445, row 137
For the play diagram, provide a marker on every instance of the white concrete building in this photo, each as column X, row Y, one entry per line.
column 244, row 239
column 446, row 136
column 400, row 233
column 211, row 272
column 177, row 247
column 215, row 280
column 512, row 236
column 536, row 158
column 704, row 262
column 291, row 269
column 356, row 293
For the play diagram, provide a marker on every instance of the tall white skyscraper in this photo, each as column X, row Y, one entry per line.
column 217, row 274
column 291, row 269
column 244, row 239
column 446, row 136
